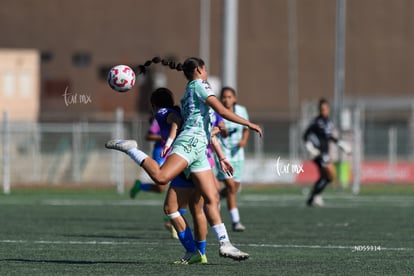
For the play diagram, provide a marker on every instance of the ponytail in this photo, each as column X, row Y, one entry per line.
column 188, row 67
column 142, row 69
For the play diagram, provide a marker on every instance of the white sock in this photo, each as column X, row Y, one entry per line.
column 220, row 232
column 137, row 155
column 234, row 215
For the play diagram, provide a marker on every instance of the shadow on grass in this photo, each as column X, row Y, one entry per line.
column 147, row 237
column 68, row 261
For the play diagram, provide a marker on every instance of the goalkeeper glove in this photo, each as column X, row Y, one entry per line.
column 313, row 151
column 345, row 147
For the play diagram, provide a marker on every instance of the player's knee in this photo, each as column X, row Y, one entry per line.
column 232, row 189
column 168, row 209
column 212, row 198
column 161, row 179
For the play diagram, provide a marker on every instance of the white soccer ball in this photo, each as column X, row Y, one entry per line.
column 121, row 78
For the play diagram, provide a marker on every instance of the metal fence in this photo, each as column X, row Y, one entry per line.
column 56, row 153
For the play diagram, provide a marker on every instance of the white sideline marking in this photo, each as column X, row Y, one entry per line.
column 249, row 245
column 323, row 247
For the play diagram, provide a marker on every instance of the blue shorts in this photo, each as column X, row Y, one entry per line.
column 156, row 155
column 181, row 181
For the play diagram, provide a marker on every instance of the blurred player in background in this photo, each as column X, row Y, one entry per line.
column 233, row 140
column 154, row 134
column 317, row 137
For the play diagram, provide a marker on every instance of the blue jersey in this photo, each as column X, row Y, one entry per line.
column 161, row 117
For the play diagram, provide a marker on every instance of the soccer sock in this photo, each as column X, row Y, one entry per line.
column 187, row 240
column 182, row 211
column 220, row 232
column 146, row 186
column 320, row 186
column 201, row 246
column 223, row 193
column 234, row 215
column 137, row 155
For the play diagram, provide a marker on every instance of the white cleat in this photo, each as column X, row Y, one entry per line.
column 318, row 201
column 238, row 227
column 229, row 251
column 121, row 145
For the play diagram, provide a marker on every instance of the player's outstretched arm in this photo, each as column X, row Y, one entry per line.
column 227, row 114
column 175, row 122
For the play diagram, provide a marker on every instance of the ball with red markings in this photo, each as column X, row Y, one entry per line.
column 121, row 78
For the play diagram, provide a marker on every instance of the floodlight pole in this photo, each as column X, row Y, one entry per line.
column 339, row 82
column 229, row 46
column 294, row 138
column 205, row 7
column 6, row 153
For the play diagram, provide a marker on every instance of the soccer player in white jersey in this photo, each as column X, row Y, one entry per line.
column 189, row 149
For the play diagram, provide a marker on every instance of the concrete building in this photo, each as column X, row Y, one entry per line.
column 19, row 84
column 80, row 40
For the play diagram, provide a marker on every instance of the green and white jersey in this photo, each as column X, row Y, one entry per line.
column 195, row 110
column 230, row 144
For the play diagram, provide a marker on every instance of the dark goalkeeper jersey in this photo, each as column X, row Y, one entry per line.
column 320, row 132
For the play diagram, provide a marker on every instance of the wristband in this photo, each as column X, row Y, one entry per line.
column 169, row 142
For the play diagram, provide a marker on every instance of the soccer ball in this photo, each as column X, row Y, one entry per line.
column 121, row 78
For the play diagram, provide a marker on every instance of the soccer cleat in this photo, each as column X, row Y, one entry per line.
column 238, row 227
column 318, row 201
column 174, row 234
column 170, row 228
column 135, row 189
column 229, row 251
column 121, row 145
column 315, row 201
column 190, row 258
column 204, row 259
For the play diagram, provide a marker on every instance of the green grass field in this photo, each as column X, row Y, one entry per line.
column 97, row 232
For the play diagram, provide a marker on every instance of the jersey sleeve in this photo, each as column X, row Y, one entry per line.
column 309, row 130
column 218, row 119
column 161, row 117
column 204, row 90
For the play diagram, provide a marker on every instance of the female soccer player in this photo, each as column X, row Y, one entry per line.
column 154, row 134
column 232, row 144
column 189, row 148
column 179, row 194
column 317, row 137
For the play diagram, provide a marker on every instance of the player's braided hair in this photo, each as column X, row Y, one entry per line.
column 188, row 67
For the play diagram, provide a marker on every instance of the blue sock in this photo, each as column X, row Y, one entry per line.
column 201, row 246
column 146, row 186
column 187, row 240
column 182, row 211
